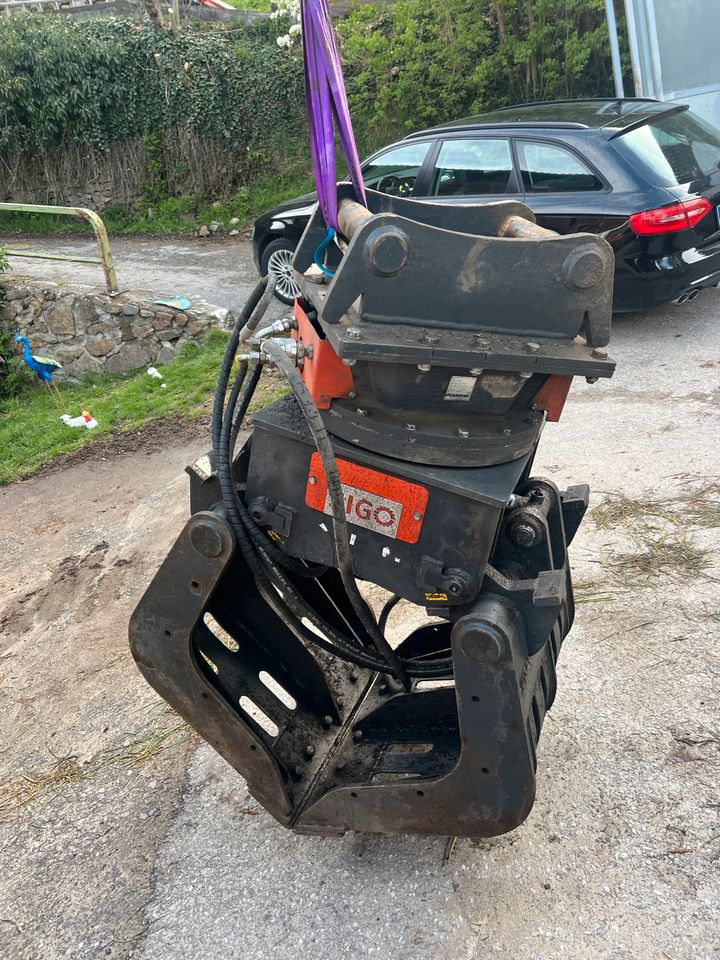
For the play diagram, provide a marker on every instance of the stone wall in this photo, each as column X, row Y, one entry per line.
column 88, row 331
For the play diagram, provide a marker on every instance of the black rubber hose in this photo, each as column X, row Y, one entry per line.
column 291, row 608
column 227, row 361
column 341, row 536
column 249, row 317
column 387, row 610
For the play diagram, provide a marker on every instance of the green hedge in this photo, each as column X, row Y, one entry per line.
column 104, row 81
column 205, row 112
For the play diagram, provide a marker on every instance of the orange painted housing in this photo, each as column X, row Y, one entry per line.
column 324, row 373
column 552, row 395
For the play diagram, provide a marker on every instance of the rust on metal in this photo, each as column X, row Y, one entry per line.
column 82, row 213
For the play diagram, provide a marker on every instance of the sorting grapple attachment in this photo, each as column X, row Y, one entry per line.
column 421, row 375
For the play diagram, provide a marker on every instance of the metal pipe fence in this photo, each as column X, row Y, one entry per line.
column 105, row 259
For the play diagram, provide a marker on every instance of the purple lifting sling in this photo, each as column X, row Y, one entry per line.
column 326, row 98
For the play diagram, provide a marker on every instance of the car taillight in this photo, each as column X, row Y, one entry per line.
column 669, row 219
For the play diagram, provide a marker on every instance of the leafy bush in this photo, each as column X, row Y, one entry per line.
column 416, row 63
column 146, row 113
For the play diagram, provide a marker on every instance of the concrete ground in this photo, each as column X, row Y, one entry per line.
column 124, row 836
column 219, row 270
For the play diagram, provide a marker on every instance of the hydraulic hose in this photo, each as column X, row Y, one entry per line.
column 341, row 537
column 265, row 560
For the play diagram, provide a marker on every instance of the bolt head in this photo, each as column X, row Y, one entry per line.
column 600, row 354
column 348, row 362
column 409, row 426
column 206, row 539
column 523, row 534
column 463, row 433
column 417, row 515
column 312, row 481
column 532, row 346
column 352, row 395
column 354, row 333
column 476, row 371
column 361, row 412
column 423, row 367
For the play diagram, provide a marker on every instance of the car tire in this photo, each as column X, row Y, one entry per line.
column 277, row 259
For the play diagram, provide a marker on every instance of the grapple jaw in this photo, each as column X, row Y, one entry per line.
column 433, row 430
column 327, row 746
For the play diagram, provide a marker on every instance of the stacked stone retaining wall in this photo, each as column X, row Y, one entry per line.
column 88, row 331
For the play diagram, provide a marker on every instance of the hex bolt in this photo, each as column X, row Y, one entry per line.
column 347, row 362
column 353, row 676
column 591, row 379
column 525, row 374
column 463, row 433
column 357, row 734
column 361, row 412
column 327, row 721
column 532, row 346
column 340, row 701
column 312, row 481
column 523, row 534
column 506, row 431
column 429, row 338
column 423, row 367
column 409, row 426
column 600, row 354
column 309, row 751
column 351, row 395
column 353, row 333
column 476, row 371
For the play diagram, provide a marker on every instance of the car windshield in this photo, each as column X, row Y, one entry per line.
column 674, row 150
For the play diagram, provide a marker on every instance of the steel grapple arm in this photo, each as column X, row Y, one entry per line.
column 421, row 375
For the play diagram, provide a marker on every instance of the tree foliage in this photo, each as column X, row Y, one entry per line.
column 100, row 82
column 232, row 99
column 416, row 63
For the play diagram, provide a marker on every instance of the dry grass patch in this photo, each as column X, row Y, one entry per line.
column 162, row 731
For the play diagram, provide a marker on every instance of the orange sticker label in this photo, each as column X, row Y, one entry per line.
column 377, row 501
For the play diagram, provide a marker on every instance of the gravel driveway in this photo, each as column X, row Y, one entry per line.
column 125, row 836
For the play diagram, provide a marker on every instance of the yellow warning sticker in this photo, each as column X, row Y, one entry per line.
column 436, row 596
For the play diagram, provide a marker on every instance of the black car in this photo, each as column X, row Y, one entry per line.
column 644, row 173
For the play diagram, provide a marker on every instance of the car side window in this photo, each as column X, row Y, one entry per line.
column 548, row 168
column 396, row 171
column 472, row 168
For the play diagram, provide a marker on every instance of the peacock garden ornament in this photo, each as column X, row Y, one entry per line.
column 43, row 367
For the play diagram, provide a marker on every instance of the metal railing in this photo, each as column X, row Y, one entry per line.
column 105, row 259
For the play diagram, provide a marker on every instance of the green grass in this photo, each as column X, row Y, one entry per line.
column 172, row 215
column 263, row 5
column 32, row 434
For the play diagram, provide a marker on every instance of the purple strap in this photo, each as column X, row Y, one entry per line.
column 326, row 98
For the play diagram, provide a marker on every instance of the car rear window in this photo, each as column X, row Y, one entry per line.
column 673, row 150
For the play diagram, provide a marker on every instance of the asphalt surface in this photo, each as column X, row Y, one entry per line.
column 172, row 860
column 219, row 270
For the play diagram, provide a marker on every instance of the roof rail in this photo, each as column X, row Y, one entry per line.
column 542, row 103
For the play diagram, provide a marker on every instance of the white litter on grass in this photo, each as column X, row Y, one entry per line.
column 155, row 373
